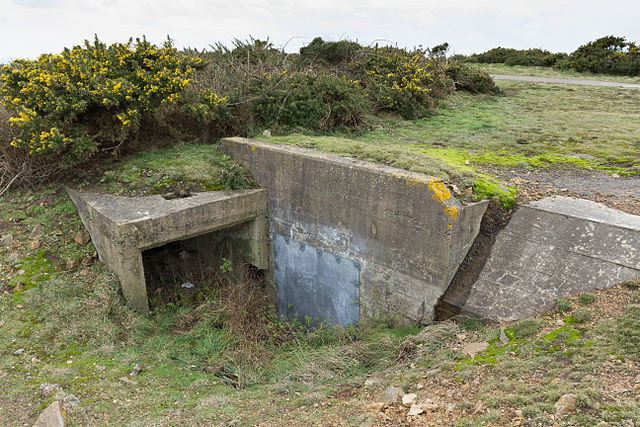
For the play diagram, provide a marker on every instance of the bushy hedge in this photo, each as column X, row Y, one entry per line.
column 609, row 55
column 508, row 56
column 94, row 97
column 606, row 55
column 68, row 108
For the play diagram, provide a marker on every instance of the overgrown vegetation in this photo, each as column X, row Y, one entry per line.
column 62, row 110
column 606, row 55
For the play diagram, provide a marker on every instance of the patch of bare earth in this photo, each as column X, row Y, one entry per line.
column 621, row 193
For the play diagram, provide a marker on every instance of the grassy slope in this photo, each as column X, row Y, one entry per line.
column 76, row 331
column 532, row 125
column 521, row 70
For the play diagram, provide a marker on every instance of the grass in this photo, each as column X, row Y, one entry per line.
column 521, row 70
column 174, row 170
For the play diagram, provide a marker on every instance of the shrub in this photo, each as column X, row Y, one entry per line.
column 471, row 79
column 329, row 52
column 612, row 55
column 321, row 102
column 528, row 57
column 402, row 81
column 92, row 98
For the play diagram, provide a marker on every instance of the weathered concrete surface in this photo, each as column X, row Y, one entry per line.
column 122, row 227
column 551, row 248
column 302, row 272
column 404, row 231
column 53, row 416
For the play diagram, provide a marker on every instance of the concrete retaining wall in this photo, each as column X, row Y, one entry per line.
column 354, row 239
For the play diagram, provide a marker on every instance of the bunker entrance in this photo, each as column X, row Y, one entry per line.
column 190, row 270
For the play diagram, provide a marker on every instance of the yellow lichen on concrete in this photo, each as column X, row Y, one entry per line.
column 441, row 193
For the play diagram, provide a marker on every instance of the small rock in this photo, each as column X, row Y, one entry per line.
column 266, row 133
column 429, row 405
column 456, row 190
column 415, row 410
column 467, row 162
column 566, row 404
column 615, row 175
column 70, row 401
column 18, row 352
column 374, row 407
column 53, row 416
column 35, row 360
column 135, row 371
column 36, row 232
column 519, row 413
column 451, row 407
column 409, row 399
column 72, row 264
column 12, row 257
column 420, row 386
column 390, row 395
column 82, row 238
column 6, row 240
column 127, row 381
column 473, row 348
column 187, row 285
column 47, row 389
column 101, row 368
column 34, row 244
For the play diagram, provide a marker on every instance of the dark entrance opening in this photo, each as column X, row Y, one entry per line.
column 187, row 271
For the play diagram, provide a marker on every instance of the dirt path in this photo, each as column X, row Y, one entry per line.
column 554, row 80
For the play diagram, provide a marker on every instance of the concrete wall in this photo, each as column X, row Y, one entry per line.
column 394, row 238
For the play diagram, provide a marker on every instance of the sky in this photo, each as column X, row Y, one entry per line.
column 29, row 28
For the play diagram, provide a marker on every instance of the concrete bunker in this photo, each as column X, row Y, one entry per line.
column 134, row 235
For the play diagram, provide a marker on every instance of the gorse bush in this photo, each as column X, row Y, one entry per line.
column 329, row 52
column 307, row 101
column 470, row 79
column 508, row 56
column 93, row 97
column 405, row 82
column 68, row 108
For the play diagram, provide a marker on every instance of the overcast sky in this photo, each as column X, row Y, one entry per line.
column 31, row 27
